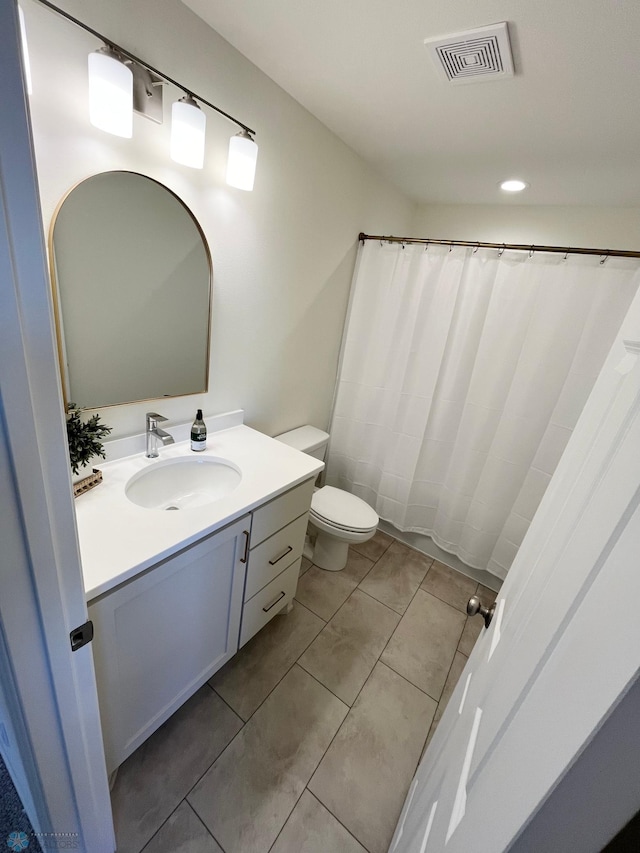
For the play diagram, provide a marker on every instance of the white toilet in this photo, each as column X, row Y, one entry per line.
column 338, row 518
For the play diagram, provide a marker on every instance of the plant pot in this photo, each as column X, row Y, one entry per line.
column 87, row 478
column 84, row 471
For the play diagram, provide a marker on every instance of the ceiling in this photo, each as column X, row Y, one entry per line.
column 568, row 122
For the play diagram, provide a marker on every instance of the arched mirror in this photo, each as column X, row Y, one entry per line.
column 132, row 290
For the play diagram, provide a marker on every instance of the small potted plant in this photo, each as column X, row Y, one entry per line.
column 85, row 441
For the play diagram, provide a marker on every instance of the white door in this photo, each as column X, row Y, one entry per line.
column 563, row 646
column 49, row 692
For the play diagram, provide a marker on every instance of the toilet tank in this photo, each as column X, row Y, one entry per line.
column 307, row 439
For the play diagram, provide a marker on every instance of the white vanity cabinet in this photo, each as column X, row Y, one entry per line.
column 162, row 634
column 277, row 539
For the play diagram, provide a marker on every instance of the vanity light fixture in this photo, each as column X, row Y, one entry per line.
column 110, row 92
column 120, row 82
column 241, row 164
column 514, row 185
column 188, row 124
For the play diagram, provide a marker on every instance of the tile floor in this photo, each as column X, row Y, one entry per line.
column 307, row 740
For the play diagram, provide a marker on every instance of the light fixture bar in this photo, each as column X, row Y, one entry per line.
column 146, row 65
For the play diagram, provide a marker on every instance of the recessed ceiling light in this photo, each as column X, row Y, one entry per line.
column 513, row 186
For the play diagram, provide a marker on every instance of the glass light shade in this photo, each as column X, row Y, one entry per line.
column 188, row 124
column 25, row 53
column 110, row 93
column 241, row 165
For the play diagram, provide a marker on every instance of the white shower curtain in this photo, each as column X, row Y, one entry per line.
column 463, row 374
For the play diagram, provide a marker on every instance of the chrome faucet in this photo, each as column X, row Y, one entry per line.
column 155, row 434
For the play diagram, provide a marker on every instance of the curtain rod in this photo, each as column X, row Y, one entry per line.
column 521, row 247
column 146, row 65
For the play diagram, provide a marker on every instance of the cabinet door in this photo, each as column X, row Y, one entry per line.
column 273, row 515
column 269, row 602
column 160, row 636
column 274, row 555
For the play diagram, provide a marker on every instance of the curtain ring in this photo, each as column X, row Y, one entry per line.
column 426, row 246
column 403, row 244
column 531, row 251
column 450, row 246
column 501, row 250
column 476, row 248
column 566, row 255
column 604, row 258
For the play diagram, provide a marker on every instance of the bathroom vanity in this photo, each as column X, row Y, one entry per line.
column 174, row 594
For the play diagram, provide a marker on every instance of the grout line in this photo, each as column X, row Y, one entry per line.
column 350, row 708
column 408, row 680
column 440, row 598
column 381, row 602
column 337, row 732
column 322, row 684
column 324, row 806
column 413, row 684
column 233, row 710
column 315, row 615
column 335, row 736
column 310, row 611
column 142, row 849
column 204, row 824
column 287, row 818
column 323, row 754
column 443, row 601
column 168, row 818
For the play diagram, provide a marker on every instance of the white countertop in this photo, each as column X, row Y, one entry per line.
column 119, row 539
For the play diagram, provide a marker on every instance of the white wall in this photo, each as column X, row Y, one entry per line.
column 586, row 227
column 283, row 255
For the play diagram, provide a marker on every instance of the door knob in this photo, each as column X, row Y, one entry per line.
column 476, row 606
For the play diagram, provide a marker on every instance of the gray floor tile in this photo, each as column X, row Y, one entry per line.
column 487, row 596
column 325, row 592
column 450, row 586
column 305, row 565
column 459, row 663
column 364, row 777
column 312, row 829
column 424, row 643
column 248, row 678
column 375, row 547
column 152, row 782
column 248, row 794
column 472, row 629
column 184, row 832
column 346, row 650
column 396, row 576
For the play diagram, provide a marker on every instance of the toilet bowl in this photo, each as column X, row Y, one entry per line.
column 337, row 518
column 340, row 519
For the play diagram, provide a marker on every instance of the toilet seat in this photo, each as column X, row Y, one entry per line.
column 342, row 511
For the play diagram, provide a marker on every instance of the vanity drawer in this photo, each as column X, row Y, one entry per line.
column 268, row 602
column 280, row 511
column 274, row 555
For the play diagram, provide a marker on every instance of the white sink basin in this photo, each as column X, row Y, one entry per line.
column 184, row 483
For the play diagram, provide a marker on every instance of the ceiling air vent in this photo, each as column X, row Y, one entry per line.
column 473, row 56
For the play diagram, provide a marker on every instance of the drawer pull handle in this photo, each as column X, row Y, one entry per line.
column 246, row 547
column 273, row 603
column 286, row 551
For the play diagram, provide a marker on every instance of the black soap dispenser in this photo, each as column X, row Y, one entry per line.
column 198, row 433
